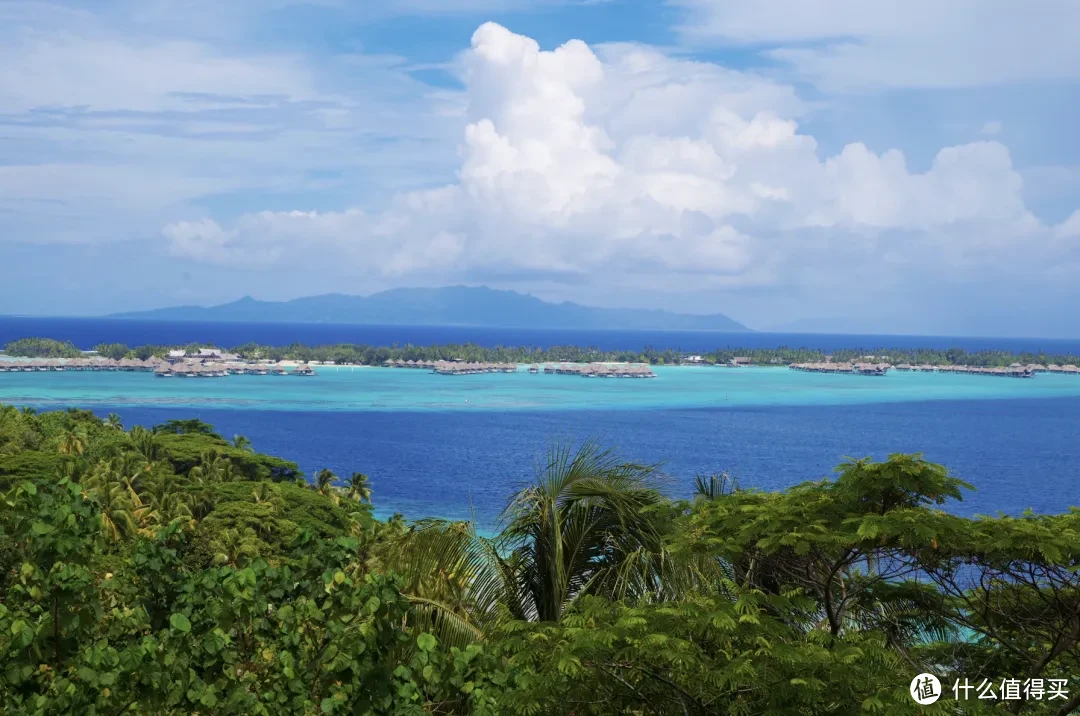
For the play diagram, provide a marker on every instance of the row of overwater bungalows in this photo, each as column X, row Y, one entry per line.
column 158, row 366
column 587, row 370
column 446, row 367
column 81, row 364
column 598, row 370
column 1016, row 370
column 220, row 370
column 979, row 370
column 854, row 368
column 466, row 368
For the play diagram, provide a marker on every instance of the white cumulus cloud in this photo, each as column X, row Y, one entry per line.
column 624, row 165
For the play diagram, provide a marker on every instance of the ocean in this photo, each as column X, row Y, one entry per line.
column 457, row 446
column 87, row 332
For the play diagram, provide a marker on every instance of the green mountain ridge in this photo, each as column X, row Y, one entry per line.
column 453, row 305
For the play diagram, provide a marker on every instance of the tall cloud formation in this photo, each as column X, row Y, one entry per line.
column 624, row 165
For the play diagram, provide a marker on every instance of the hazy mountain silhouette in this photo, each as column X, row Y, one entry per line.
column 452, row 305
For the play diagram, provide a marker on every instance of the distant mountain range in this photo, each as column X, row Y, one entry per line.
column 453, row 305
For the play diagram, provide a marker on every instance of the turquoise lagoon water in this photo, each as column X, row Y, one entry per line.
column 379, row 389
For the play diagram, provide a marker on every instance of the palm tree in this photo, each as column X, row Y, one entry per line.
column 73, row 441
column 117, row 516
column 235, row 548
column 324, row 480
column 712, row 487
column 265, row 494
column 101, row 475
column 358, row 488
column 241, row 442
column 166, row 503
column 146, row 443
column 214, row 467
column 113, row 421
column 590, row 523
column 585, row 526
column 74, row 469
column 7, row 413
column 458, row 585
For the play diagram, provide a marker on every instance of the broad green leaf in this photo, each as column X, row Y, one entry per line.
column 180, row 622
column 426, row 642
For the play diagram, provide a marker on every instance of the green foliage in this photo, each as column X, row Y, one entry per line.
column 116, row 351
column 270, row 517
column 192, row 426
column 359, row 354
column 228, row 640
column 188, row 450
column 26, row 465
column 42, row 348
column 167, row 573
column 700, row 655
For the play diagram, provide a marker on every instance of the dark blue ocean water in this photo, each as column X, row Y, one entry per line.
column 87, row 332
column 1017, row 453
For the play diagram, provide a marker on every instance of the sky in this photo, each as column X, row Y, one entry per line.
column 832, row 165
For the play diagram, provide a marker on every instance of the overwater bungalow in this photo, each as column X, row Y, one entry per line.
column 279, row 369
column 878, row 369
column 305, row 370
column 214, row 370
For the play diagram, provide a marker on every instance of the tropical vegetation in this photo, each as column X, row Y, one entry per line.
column 355, row 354
column 42, row 348
column 167, row 570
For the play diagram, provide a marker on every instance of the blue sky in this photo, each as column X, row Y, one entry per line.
column 823, row 164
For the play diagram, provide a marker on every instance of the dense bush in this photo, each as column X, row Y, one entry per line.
column 42, row 348
column 137, row 578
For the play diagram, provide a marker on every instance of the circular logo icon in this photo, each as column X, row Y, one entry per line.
column 925, row 689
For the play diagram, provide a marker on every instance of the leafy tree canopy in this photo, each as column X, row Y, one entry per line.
column 171, row 572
